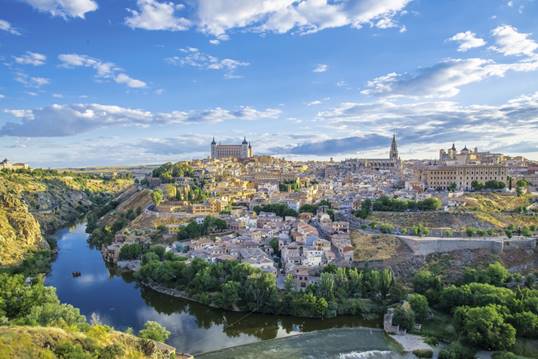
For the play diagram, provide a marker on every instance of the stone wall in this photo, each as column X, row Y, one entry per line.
column 429, row 245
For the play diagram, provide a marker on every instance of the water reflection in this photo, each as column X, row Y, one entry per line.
column 119, row 301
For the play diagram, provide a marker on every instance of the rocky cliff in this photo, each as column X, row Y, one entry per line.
column 35, row 204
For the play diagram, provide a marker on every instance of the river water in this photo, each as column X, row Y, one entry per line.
column 118, row 301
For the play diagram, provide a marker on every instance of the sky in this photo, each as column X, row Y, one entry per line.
column 126, row 82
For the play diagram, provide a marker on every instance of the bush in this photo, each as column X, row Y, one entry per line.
column 456, row 351
column 419, row 304
column 154, row 331
column 423, row 353
column 404, row 318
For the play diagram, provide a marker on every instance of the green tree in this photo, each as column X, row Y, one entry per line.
column 404, row 318
column 419, row 304
column 154, row 331
column 157, row 196
column 485, row 327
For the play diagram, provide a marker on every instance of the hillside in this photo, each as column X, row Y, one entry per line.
column 36, row 203
column 24, row 342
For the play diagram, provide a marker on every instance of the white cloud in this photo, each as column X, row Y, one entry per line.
column 31, row 81
column 155, row 15
column 6, row 26
column 509, row 41
column 314, row 103
column 195, row 58
column 218, row 17
column 467, row 40
column 31, row 58
column 105, row 70
column 64, row 8
column 443, row 79
column 434, row 122
column 320, row 68
column 69, row 120
column 130, row 82
column 2, row 96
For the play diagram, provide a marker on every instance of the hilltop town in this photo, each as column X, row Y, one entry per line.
column 294, row 218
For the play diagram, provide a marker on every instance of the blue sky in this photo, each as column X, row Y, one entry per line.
column 95, row 82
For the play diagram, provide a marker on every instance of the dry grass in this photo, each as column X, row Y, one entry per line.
column 369, row 247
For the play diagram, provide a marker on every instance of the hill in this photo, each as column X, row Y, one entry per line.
column 35, row 203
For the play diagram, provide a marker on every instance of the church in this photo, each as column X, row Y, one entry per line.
column 242, row 151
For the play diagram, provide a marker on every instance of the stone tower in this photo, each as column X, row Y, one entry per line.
column 393, row 149
column 244, row 148
column 213, row 148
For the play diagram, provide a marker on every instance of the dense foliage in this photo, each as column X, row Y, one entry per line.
column 234, row 285
column 491, row 185
column 168, row 171
column 208, row 226
column 388, row 204
column 487, row 313
column 280, row 209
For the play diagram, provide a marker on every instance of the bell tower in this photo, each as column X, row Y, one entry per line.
column 393, row 149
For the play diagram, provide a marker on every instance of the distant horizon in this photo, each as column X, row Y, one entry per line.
column 99, row 82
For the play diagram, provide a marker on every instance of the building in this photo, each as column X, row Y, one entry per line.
column 242, row 151
column 442, row 176
column 6, row 165
column 391, row 163
column 467, row 157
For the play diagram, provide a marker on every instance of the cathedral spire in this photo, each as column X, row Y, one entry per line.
column 393, row 148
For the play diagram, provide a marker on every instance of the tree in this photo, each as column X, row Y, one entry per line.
column 419, row 304
column 154, row 331
column 485, row 327
column 404, row 318
column 157, row 196
column 171, row 191
column 230, row 293
column 452, row 187
column 131, row 251
column 477, row 186
column 526, row 324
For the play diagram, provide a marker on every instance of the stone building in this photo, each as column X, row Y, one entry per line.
column 441, row 177
column 242, row 151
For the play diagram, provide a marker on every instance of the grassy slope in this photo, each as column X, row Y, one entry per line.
column 499, row 209
column 31, row 204
column 23, row 342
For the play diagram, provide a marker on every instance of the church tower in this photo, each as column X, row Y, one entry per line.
column 393, row 149
column 213, row 149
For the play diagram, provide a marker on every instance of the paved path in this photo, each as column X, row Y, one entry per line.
column 410, row 342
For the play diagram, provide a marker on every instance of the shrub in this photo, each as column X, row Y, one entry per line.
column 423, row 353
column 154, row 331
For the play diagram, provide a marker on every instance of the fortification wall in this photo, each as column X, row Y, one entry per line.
column 428, row 245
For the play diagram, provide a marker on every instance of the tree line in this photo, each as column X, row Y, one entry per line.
column 239, row 286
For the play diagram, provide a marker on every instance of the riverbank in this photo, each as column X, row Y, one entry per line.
column 181, row 295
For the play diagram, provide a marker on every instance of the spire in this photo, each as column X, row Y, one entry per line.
column 245, row 141
column 213, row 142
column 393, row 148
column 453, row 147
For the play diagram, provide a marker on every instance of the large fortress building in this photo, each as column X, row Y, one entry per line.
column 242, row 151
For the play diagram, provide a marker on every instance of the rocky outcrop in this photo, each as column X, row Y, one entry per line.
column 33, row 205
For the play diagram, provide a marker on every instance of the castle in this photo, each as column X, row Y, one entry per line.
column 242, row 151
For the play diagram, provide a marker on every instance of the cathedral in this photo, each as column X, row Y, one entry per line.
column 242, row 151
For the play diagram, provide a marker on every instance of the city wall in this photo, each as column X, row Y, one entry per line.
column 429, row 245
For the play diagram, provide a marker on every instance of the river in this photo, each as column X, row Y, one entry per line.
column 119, row 301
